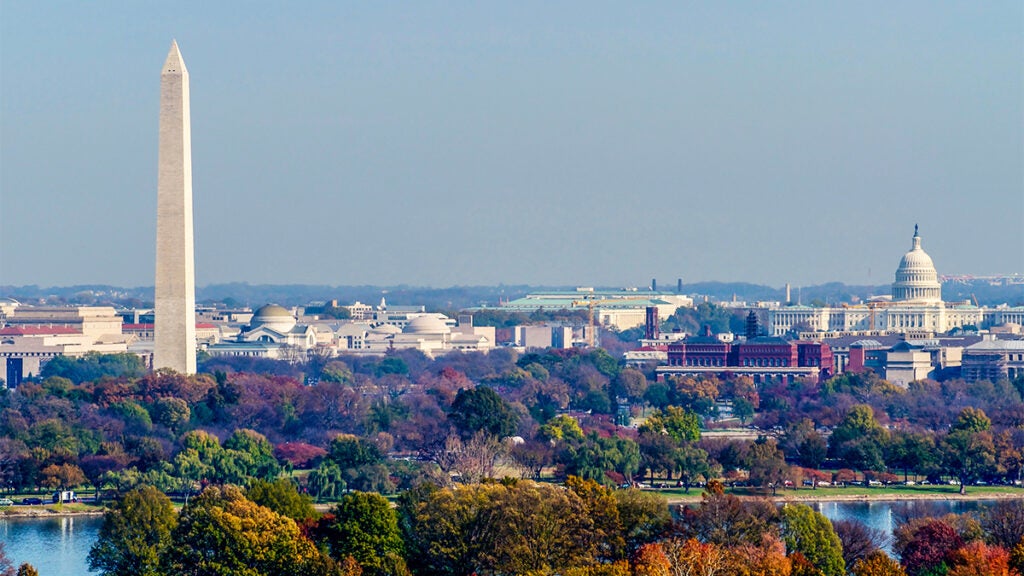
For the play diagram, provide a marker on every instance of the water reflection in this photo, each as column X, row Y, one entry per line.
column 55, row 546
column 887, row 516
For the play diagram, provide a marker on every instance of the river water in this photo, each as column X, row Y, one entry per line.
column 54, row 546
column 886, row 516
column 59, row 546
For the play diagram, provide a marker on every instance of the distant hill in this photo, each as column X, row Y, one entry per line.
column 459, row 297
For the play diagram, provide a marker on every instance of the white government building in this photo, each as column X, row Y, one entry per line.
column 915, row 308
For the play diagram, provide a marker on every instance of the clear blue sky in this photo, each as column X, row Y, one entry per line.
column 524, row 142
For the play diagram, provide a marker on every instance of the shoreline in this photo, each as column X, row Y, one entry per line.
column 789, row 497
column 47, row 513
column 35, row 512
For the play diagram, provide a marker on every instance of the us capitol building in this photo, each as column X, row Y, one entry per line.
column 915, row 308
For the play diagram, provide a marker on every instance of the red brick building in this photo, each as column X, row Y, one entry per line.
column 761, row 358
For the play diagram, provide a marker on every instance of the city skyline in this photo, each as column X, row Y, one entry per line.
column 439, row 146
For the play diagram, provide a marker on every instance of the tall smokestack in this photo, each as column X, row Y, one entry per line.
column 651, row 329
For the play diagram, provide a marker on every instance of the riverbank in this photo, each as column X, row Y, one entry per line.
column 52, row 511
column 858, row 494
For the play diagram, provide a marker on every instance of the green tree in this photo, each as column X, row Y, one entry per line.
column 282, row 497
column 392, row 365
column 678, row 423
column 859, row 440
column 802, row 443
column 766, row 464
column 692, row 462
column 481, row 408
column 326, row 481
column 135, row 532
column 365, row 527
column 809, row 533
column 171, row 412
column 968, row 456
column 336, row 371
column 742, row 409
column 195, row 462
column 27, row 569
column 911, row 451
column 93, row 366
column 253, row 454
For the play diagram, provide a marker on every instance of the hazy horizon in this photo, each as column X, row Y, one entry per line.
column 524, row 144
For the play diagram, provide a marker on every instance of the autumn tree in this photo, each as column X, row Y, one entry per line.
column 61, row 476
column 561, row 428
column 858, row 540
column 727, row 520
column 695, row 394
column 979, row 559
column 644, row 516
column 878, row 563
column 651, row 560
column 515, row 527
column 1003, row 523
column 765, row 559
column 222, row 533
column 692, row 556
column 631, row 383
column 600, row 505
column 136, row 530
column 6, row 568
column 928, row 548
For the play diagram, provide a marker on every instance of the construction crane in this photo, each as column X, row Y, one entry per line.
column 590, row 303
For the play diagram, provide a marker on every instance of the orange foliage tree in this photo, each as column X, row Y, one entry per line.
column 979, row 559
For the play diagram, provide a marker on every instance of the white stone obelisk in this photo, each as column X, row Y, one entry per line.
column 175, row 322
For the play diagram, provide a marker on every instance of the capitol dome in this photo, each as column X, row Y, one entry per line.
column 273, row 317
column 430, row 324
column 916, row 279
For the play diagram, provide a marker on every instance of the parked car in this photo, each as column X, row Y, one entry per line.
column 31, row 501
column 5, row 502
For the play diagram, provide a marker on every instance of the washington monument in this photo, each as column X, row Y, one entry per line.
column 175, row 322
